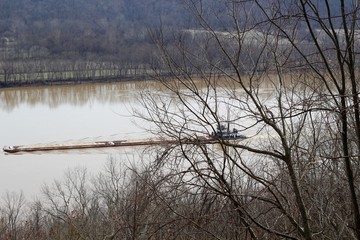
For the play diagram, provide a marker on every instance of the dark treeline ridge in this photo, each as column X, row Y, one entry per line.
column 49, row 42
column 111, row 27
column 83, row 27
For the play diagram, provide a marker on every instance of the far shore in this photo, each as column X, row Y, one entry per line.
column 11, row 84
column 300, row 75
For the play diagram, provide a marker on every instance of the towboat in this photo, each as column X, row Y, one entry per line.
column 225, row 133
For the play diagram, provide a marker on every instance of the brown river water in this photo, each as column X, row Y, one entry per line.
column 73, row 113
column 92, row 112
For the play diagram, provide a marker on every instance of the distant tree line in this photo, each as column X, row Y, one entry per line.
column 83, row 27
column 35, row 35
column 92, row 39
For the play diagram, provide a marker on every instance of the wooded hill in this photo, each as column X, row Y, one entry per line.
column 85, row 26
column 53, row 40
column 109, row 27
column 78, row 39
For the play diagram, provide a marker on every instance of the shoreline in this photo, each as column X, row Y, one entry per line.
column 14, row 84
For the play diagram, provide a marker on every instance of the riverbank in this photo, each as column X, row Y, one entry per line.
column 64, row 72
column 34, row 83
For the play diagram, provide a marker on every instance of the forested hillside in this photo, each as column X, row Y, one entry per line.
column 85, row 26
column 93, row 26
column 48, row 40
column 42, row 40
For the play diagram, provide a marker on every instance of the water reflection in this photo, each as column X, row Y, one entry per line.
column 79, row 95
column 75, row 95
column 60, row 113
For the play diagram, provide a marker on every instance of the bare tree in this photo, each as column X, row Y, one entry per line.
column 297, row 131
column 13, row 204
column 71, row 207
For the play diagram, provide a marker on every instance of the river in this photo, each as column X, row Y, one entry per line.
column 81, row 113
column 86, row 112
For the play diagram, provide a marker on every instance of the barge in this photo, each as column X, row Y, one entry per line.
column 104, row 144
column 222, row 133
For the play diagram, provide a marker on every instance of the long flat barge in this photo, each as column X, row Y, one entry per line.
column 104, row 144
column 222, row 133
